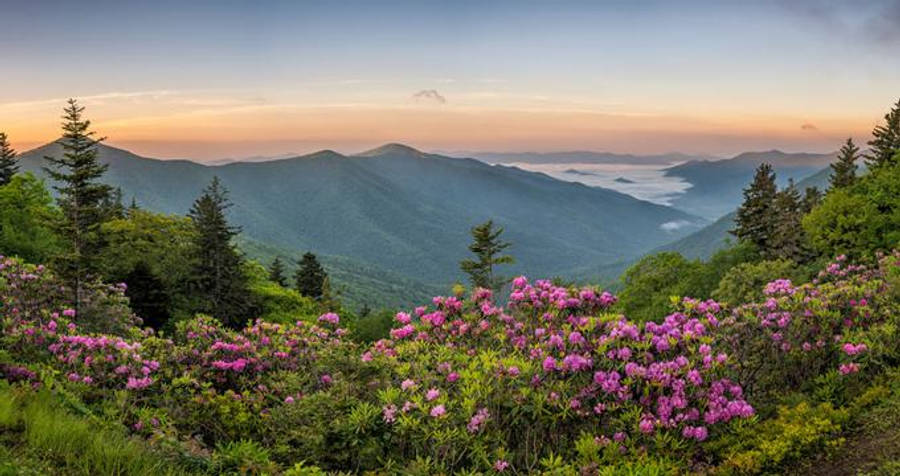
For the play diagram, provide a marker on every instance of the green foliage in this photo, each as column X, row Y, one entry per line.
column 218, row 282
column 885, row 141
column 8, row 166
column 73, row 444
column 797, row 431
column 372, row 326
column 242, row 457
column 789, row 241
column 27, row 217
column 487, row 246
column 277, row 303
column 276, row 272
column 652, row 282
column 860, row 219
column 81, row 197
column 153, row 254
column 309, row 279
column 745, row 282
column 843, row 170
column 756, row 217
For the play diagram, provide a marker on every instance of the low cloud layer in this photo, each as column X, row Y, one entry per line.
column 809, row 127
column 676, row 225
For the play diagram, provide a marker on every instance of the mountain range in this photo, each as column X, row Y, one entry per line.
column 585, row 157
column 704, row 242
column 400, row 218
column 717, row 186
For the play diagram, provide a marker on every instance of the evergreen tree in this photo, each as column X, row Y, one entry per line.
column 843, row 171
column 885, row 141
column 310, row 276
column 276, row 272
column 812, row 196
column 113, row 206
column 133, row 207
column 329, row 300
column 788, row 240
column 81, row 196
column 218, row 281
column 755, row 217
column 8, row 166
column 487, row 247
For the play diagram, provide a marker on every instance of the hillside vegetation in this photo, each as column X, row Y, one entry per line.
column 135, row 342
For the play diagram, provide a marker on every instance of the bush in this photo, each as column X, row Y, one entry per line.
column 797, row 431
column 745, row 282
column 858, row 220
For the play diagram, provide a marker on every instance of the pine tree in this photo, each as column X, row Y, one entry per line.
column 788, row 240
column 486, row 246
column 755, row 217
column 885, row 141
column 81, row 196
column 843, row 171
column 219, row 283
column 310, row 276
column 8, row 166
column 276, row 272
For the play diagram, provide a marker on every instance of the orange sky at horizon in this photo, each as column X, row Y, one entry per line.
column 164, row 124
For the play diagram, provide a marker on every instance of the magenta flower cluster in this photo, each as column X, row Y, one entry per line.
column 588, row 364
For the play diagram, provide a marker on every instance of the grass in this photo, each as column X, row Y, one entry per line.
column 39, row 436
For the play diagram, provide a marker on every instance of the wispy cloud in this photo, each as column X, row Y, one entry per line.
column 429, row 95
column 808, row 127
column 90, row 99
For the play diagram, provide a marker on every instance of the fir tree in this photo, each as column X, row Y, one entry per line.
column 219, row 283
column 487, row 247
column 8, row 166
column 310, row 276
column 788, row 240
column 885, row 141
column 81, row 196
column 276, row 272
column 755, row 217
column 843, row 171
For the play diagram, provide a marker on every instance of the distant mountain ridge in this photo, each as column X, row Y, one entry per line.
column 717, row 186
column 586, row 157
column 403, row 211
column 704, row 242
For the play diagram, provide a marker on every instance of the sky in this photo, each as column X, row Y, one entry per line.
column 229, row 79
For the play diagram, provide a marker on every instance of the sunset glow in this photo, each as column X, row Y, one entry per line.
column 205, row 83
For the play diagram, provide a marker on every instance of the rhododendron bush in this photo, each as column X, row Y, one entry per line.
column 479, row 381
column 464, row 383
